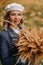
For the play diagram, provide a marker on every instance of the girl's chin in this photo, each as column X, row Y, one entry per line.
column 16, row 23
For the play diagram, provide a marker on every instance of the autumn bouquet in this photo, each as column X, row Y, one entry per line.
column 30, row 46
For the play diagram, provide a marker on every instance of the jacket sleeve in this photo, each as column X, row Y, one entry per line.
column 6, row 59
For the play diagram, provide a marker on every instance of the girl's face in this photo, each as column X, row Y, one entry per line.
column 15, row 17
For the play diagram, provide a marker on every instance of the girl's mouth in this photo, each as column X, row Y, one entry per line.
column 15, row 21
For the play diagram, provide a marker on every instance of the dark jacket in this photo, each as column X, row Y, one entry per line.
column 8, row 48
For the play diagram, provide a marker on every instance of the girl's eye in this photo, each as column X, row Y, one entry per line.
column 13, row 14
column 19, row 14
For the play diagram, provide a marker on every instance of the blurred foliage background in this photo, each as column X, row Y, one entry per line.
column 33, row 13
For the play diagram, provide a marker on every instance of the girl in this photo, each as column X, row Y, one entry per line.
column 10, row 33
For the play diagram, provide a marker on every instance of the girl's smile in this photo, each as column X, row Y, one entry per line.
column 16, row 21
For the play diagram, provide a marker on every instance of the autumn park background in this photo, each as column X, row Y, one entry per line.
column 33, row 13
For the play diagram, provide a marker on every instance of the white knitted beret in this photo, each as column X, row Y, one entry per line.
column 14, row 6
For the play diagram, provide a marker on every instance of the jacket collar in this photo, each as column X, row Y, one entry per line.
column 12, row 33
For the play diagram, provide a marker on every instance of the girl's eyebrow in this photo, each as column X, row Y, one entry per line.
column 17, row 13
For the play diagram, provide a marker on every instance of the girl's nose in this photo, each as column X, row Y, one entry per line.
column 16, row 16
